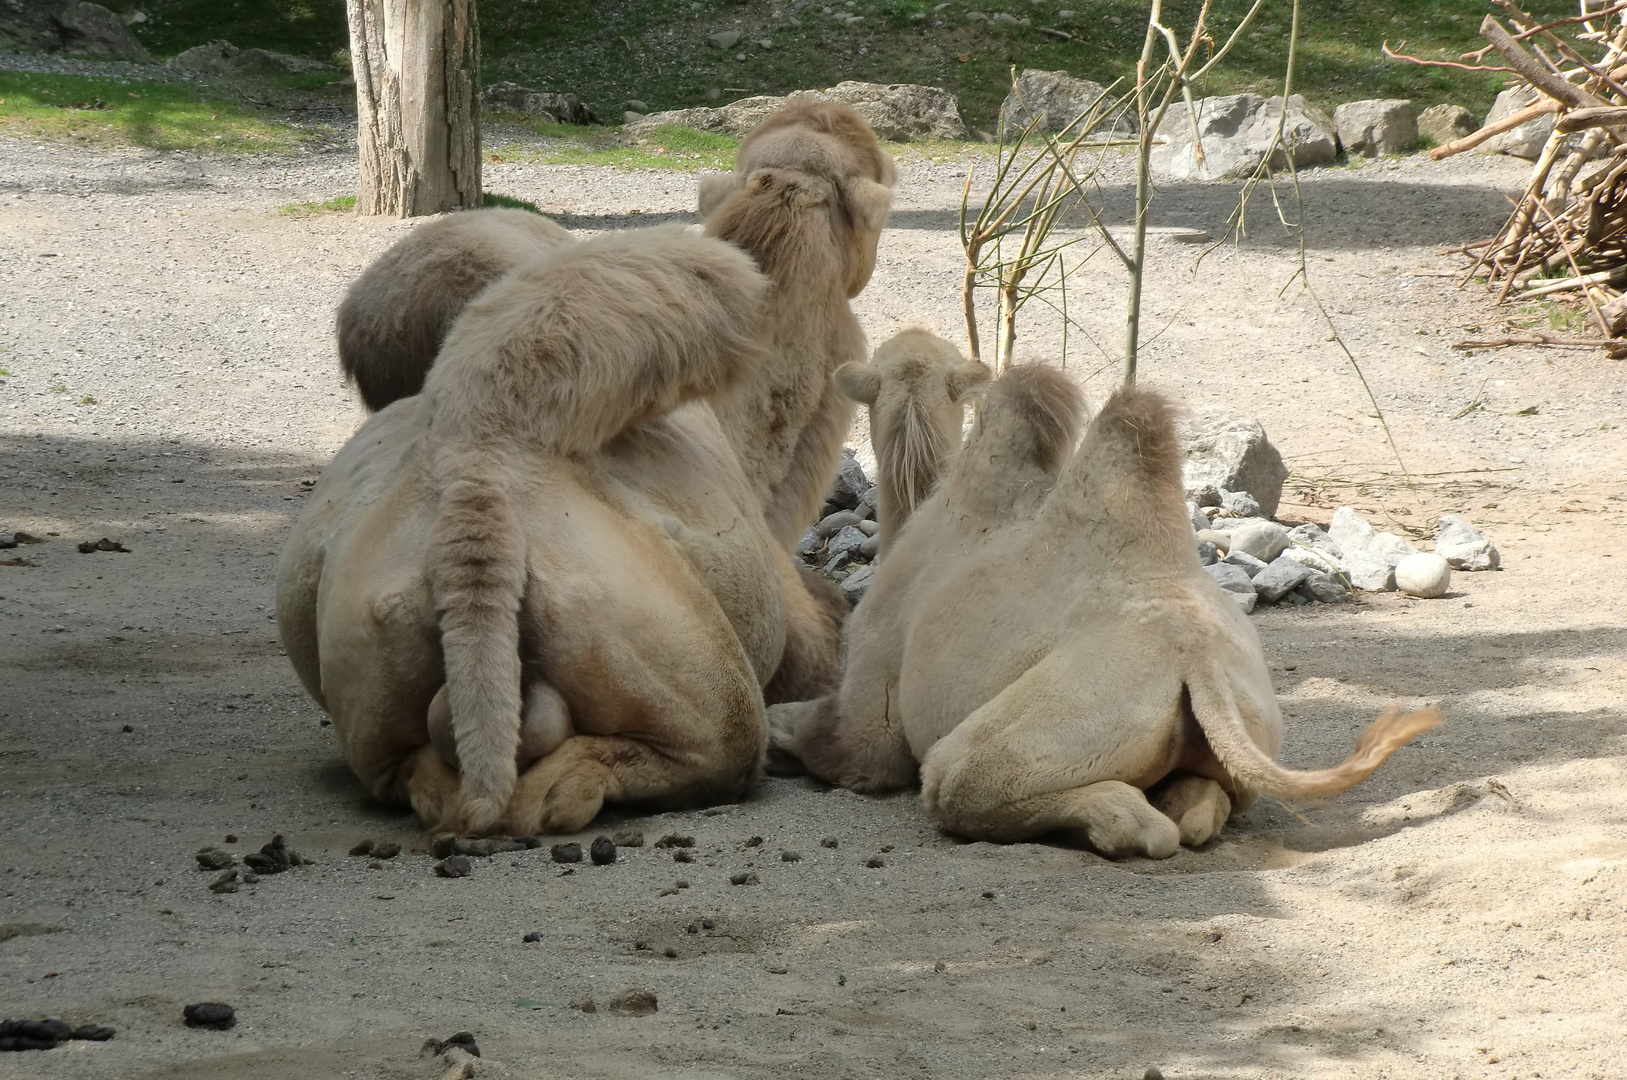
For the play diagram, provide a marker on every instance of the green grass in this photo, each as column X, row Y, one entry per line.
column 492, row 198
column 161, row 116
column 339, row 204
column 655, row 50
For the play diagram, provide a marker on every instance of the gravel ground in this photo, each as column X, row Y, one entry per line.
column 1459, row 915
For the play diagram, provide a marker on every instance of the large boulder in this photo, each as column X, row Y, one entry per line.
column 561, row 108
column 1444, row 123
column 1371, row 128
column 213, row 58
column 265, row 62
column 1230, row 451
column 1236, row 132
column 1525, row 141
column 92, row 30
column 1058, row 100
column 901, row 112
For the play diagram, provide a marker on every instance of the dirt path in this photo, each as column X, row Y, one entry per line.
column 1458, row 915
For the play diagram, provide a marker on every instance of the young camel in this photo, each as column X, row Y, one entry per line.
column 394, row 317
column 546, row 582
column 916, row 387
column 1044, row 642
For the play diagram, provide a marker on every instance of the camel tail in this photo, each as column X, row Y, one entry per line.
column 1255, row 771
column 478, row 585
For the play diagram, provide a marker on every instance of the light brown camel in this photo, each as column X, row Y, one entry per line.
column 916, row 387
column 396, row 314
column 1044, row 642
column 547, row 533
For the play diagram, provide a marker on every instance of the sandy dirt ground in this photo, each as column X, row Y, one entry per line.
column 171, row 384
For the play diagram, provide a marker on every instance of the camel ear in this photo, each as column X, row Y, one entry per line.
column 800, row 190
column 859, row 381
column 716, row 188
column 868, row 202
column 966, row 378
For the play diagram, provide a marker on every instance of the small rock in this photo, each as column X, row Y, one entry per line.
column 273, row 858
column 808, row 547
column 940, row 967
column 787, row 855
column 1221, row 540
column 1208, row 554
column 213, row 859
column 603, row 851
column 533, row 842
column 1152, row 1073
column 753, row 841
column 363, row 848
column 210, row 1014
column 1462, row 545
column 463, row 1040
column 629, row 839
column 633, row 1003
column 856, row 584
column 455, row 866
column 708, row 924
column 566, row 853
column 104, row 544
column 1239, row 504
column 225, row 883
column 1245, row 562
column 1350, row 530
column 875, row 862
column 585, row 1005
column 1368, row 572
column 743, row 879
column 1000, row 18
column 869, row 504
column 847, row 539
column 1265, row 540
column 672, row 840
column 444, row 846
column 829, row 842
column 681, row 856
column 850, row 485
column 1225, row 450
column 1390, row 547
column 831, row 525
column 670, row 953
column 724, row 39
column 1201, row 495
column 1279, row 579
column 533, row 936
column 93, row 1032
column 1423, row 575
column 635, row 105
column 249, row 877
column 871, row 546
column 1320, row 587
column 475, row 849
column 386, row 849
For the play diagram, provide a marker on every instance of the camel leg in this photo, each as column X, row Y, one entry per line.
column 1109, row 816
column 432, row 787
column 1197, row 804
column 565, row 790
column 815, row 609
column 854, row 737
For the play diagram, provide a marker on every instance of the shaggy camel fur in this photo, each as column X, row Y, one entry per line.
column 809, row 194
column 551, row 533
column 394, row 317
column 916, row 387
column 1057, row 698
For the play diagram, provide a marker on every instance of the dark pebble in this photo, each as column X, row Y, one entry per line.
column 475, row 849
column 939, row 967
column 694, row 928
column 444, row 846
column 454, row 866
column 829, row 841
column 633, row 1003
column 210, row 859
column 1153, row 1073
column 584, row 1005
column 531, row 842
column 93, row 1032
column 631, row 838
column 1211, row 938
column 603, row 851
column 250, row 878
column 210, row 1014
column 231, row 838
column 743, row 879
column 988, row 894
column 754, row 841
column 673, row 840
column 790, row 856
column 682, row 856
column 463, row 1040
column 363, row 848
column 885, row 848
column 641, row 946
column 708, row 924
column 225, row 883
column 778, row 970
column 876, row 863
column 680, row 884
column 571, row 852
column 502, row 845
column 128, row 729
column 535, row 935
column 670, row 953
column 386, row 849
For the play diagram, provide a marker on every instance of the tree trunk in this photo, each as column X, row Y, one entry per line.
column 417, row 65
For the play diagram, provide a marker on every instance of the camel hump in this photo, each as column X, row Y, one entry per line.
column 1031, row 414
column 394, row 317
column 565, row 353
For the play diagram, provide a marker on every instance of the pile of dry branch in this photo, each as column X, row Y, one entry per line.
column 1568, row 231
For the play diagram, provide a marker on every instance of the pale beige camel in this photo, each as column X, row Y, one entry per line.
column 573, row 555
column 1044, row 642
column 916, row 387
column 396, row 314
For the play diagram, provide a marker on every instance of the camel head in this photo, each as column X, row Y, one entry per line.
column 917, row 386
column 810, row 158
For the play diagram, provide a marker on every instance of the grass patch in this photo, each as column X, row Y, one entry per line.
column 309, row 28
column 339, row 204
column 492, row 198
column 672, row 148
column 116, row 112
